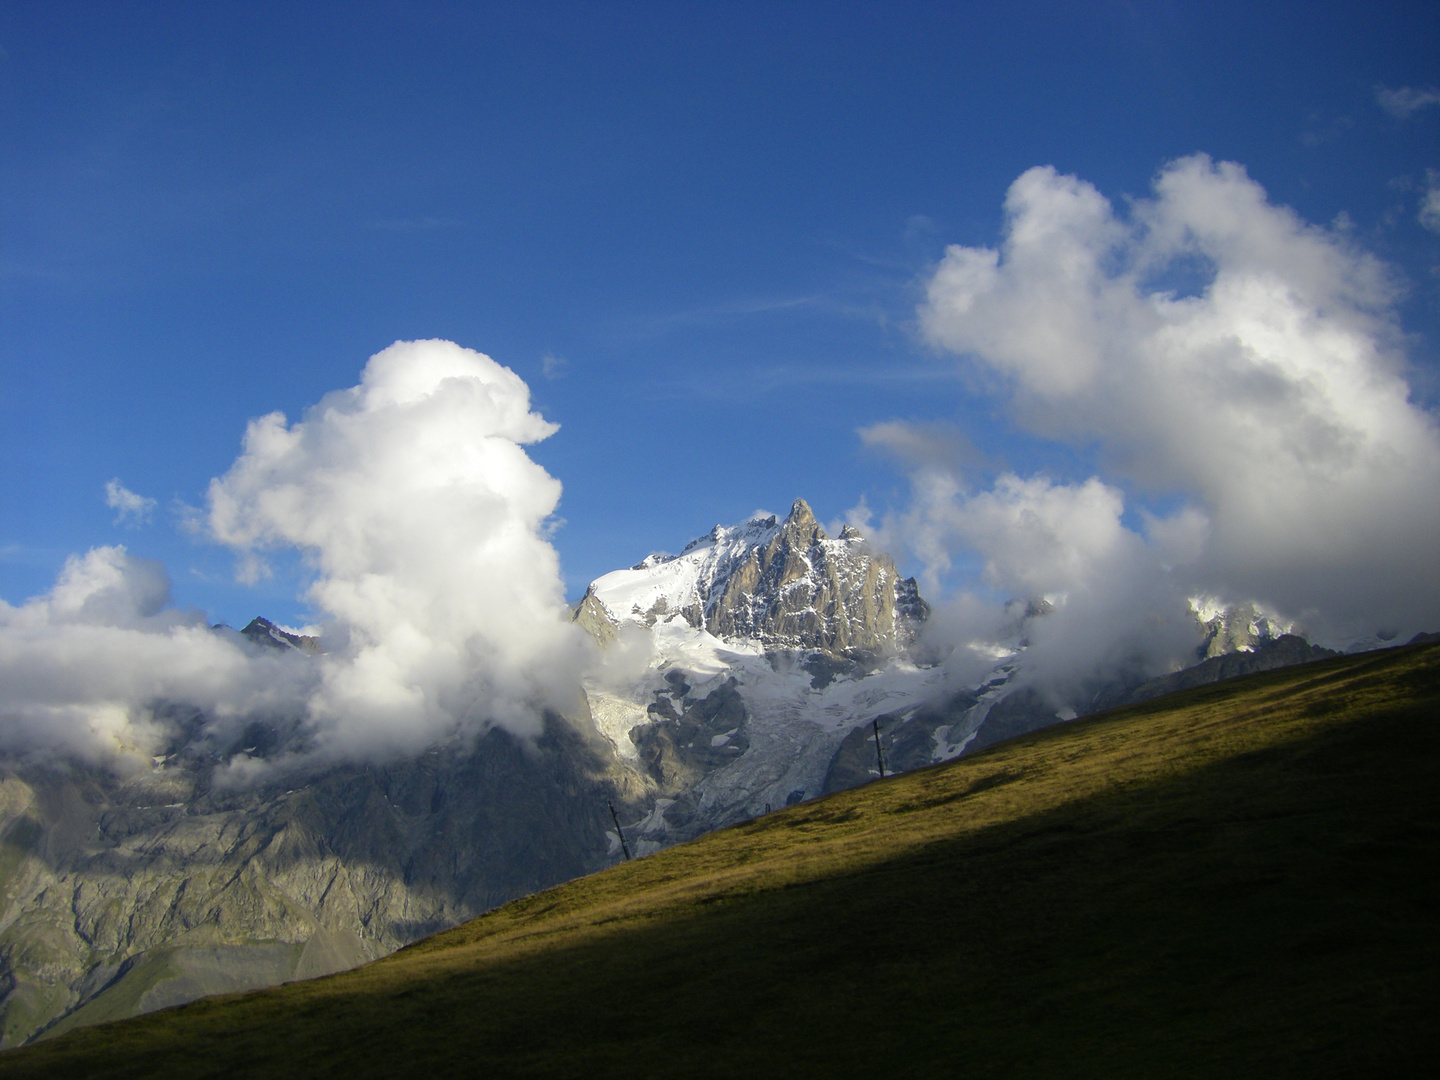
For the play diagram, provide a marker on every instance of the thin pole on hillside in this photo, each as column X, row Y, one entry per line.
column 618, row 831
column 878, row 755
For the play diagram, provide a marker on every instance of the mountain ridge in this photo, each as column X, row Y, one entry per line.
column 782, row 584
column 774, row 657
column 1218, row 884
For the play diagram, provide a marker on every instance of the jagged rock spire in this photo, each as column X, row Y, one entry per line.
column 784, row 584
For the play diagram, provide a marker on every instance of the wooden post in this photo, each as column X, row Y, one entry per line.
column 616, row 818
column 878, row 755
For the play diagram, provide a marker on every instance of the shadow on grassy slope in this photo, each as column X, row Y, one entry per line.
column 1237, row 881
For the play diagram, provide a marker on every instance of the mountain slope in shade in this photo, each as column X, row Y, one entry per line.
column 122, row 893
column 1217, row 884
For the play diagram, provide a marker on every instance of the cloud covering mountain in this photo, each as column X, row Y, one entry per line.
column 1222, row 357
column 411, row 498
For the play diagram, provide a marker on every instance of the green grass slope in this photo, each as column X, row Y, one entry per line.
column 1235, row 881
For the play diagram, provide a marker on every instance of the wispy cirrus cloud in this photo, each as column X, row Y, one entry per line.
column 130, row 509
column 1405, row 101
column 718, row 314
column 773, row 378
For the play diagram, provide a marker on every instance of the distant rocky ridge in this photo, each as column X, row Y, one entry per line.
column 1027, row 709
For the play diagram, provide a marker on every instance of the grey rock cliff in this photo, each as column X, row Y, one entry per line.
column 784, row 585
column 121, row 894
column 802, row 590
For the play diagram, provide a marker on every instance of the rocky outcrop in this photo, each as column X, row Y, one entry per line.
column 1232, row 628
column 779, row 584
column 688, row 738
column 908, row 741
column 267, row 635
column 803, row 590
column 591, row 616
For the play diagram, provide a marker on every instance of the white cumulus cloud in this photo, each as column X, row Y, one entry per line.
column 425, row 521
column 1214, row 348
column 439, row 594
column 85, row 667
column 1113, row 603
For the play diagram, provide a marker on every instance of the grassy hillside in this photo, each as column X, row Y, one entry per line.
column 1236, row 881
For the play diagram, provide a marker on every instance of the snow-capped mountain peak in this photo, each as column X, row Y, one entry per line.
column 778, row 668
column 778, row 584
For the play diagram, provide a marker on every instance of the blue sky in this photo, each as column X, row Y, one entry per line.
column 701, row 233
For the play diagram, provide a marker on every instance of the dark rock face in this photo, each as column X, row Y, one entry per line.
column 266, row 634
column 906, row 742
column 825, row 667
column 121, row 894
column 1019, row 713
column 686, row 744
column 1283, row 651
column 855, row 761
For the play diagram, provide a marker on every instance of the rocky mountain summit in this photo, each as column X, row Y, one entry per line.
column 266, row 634
column 778, row 584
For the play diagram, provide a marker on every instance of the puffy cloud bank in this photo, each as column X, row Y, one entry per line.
column 425, row 520
column 443, row 610
column 1221, row 356
column 84, row 668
